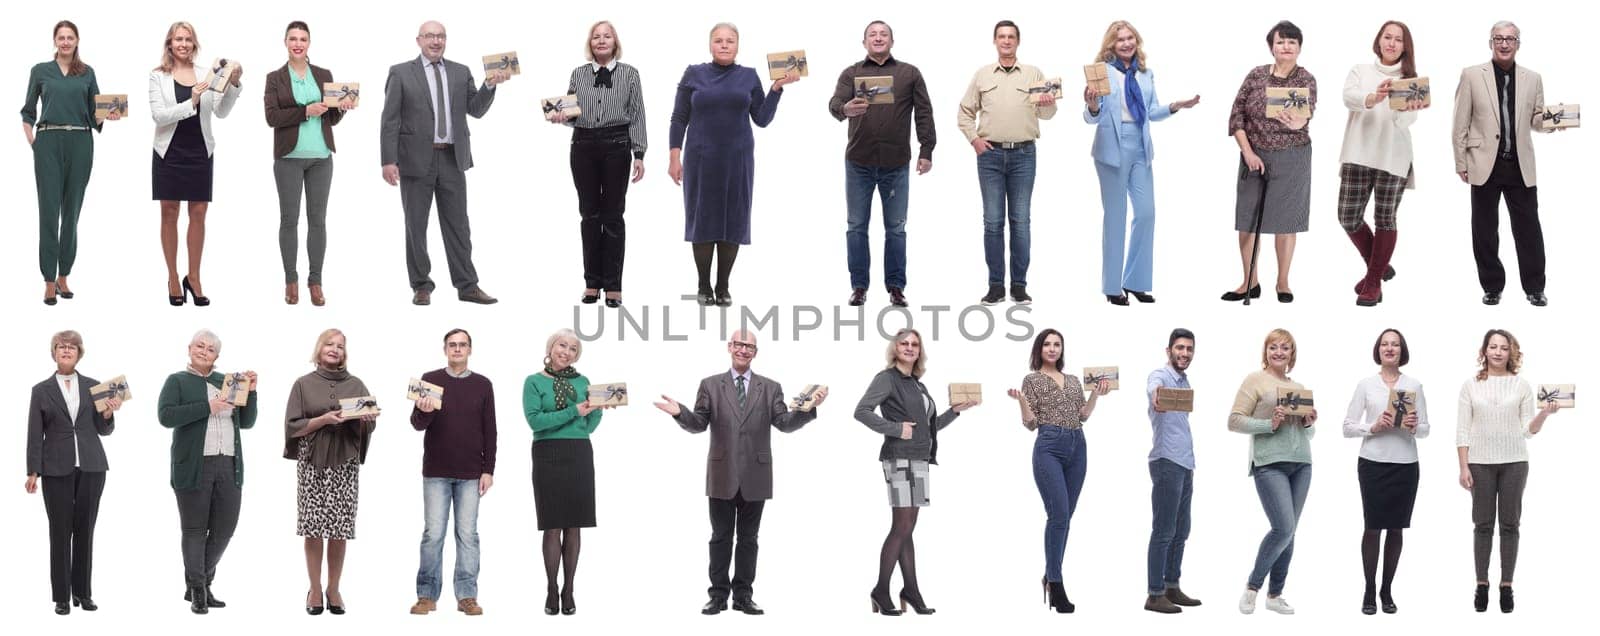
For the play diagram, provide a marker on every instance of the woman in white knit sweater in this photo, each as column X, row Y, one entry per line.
column 1495, row 416
column 1376, row 157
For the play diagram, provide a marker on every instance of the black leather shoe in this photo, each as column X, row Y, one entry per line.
column 1369, row 602
column 590, row 299
column 858, row 297
column 1388, row 602
column 1480, row 598
column 614, row 302
column 50, row 301
column 1285, row 297
column 913, row 599
column 85, row 602
column 1537, row 299
column 1507, row 603
column 63, row 609
column 897, row 297
column 882, row 604
column 1019, row 295
column 475, row 295
column 747, row 606
column 334, row 609
column 724, row 299
column 211, row 601
column 420, row 298
column 1180, row 599
column 1121, row 301
column 197, row 600
column 714, row 606
column 314, row 610
column 996, row 295
column 64, row 293
column 199, row 301
column 569, row 605
column 705, row 298
column 1233, row 296
column 1491, row 298
column 1143, row 297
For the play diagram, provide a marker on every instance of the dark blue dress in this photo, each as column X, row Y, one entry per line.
column 711, row 123
column 184, row 174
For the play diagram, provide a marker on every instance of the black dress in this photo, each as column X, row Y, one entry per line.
column 185, row 173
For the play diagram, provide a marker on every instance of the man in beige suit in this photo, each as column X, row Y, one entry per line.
column 1497, row 105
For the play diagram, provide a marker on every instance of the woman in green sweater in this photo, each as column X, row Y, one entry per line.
column 1280, row 461
column 556, row 402
column 207, row 460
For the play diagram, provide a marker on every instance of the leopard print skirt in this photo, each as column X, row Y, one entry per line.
column 327, row 497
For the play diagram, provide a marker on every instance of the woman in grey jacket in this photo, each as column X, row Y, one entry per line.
column 910, row 428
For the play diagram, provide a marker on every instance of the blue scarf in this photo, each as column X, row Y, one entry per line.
column 1130, row 88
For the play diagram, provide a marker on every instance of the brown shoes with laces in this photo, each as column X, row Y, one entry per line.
column 423, row 606
column 469, row 606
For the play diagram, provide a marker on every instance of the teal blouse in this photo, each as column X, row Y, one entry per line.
column 68, row 99
column 547, row 422
column 310, row 144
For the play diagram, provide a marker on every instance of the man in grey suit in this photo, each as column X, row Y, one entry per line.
column 427, row 149
column 741, row 409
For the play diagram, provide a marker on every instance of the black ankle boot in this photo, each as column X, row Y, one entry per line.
column 1058, row 597
column 1480, row 598
column 1506, row 602
column 197, row 599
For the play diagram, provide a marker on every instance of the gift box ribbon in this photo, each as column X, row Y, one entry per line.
column 1402, row 403
column 1294, row 400
column 506, row 63
column 112, row 389
column 1293, row 101
column 1552, row 395
column 796, row 64
column 1414, row 92
column 1557, row 116
column 609, row 393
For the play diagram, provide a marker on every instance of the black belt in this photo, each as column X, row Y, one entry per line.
column 605, row 133
column 443, row 146
column 1011, row 145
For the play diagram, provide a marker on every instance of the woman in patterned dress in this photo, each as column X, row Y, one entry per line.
column 329, row 448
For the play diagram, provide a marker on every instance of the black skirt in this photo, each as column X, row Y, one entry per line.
column 1388, row 493
column 184, row 173
column 563, row 483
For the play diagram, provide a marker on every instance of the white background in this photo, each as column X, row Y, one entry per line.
column 979, row 545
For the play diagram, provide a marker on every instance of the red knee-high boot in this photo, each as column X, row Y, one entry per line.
column 1370, row 289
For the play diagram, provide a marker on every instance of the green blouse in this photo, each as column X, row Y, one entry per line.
column 547, row 422
column 68, row 99
column 310, row 144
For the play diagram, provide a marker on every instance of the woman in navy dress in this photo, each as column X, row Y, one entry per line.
column 716, row 103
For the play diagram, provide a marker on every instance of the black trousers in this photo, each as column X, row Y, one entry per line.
column 732, row 518
column 1522, row 204
column 602, row 159
column 208, row 515
column 72, row 503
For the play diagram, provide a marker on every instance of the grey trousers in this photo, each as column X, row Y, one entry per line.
column 447, row 184
column 315, row 178
column 208, row 515
column 1497, row 488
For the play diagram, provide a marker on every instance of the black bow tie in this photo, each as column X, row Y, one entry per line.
column 602, row 77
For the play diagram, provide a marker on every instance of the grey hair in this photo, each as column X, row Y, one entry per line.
column 205, row 335
column 1503, row 24
column 550, row 344
column 724, row 25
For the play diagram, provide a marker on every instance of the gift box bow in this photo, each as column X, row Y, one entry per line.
column 365, row 403
column 610, row 392
column 1095, row 378
column 1552, row 395
column 1294, row 100
column 1294, row 401
column 1557, row 116
column 1414, row 92
column 805, row 396
column 506, row 63
column 798, row 64
column 112, row 389
column 560, row 104
column 868, row 92
column 1403, row 400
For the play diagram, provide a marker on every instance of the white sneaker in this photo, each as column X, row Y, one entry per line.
column 1247, row 603
column 1277, row 604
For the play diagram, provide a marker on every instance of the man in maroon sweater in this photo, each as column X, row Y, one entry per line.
column 457, row 469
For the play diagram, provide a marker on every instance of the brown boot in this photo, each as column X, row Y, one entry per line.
column 469, row 606
column 1160, row 603
column 424, row 605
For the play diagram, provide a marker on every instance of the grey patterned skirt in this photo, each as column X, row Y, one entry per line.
column 908, row 482
column 327, row 497
column 1288, row 192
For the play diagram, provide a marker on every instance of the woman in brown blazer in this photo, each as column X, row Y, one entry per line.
column 303, row 158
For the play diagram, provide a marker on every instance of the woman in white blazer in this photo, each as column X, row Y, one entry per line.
column 181, row 103
column 1122, row 154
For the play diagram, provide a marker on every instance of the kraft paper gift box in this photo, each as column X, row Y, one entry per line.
column 567, row 104
column 335, row 92
column 358, row 406
column 1298, row 403
column 1559, row 116
column 1565, row 395
column 1175, row 399
column 779, row 64
column 115, row 387
column 1093, row 375
column 417, row 389
column 876, row 89
column 1095, row 76
column 1291, row 98
column 1401, row 403
column 807, row 399
column 236, row 387
column 502, row 62
column 1039, row 88
column 1410, row 94
column 104, row 105
column 965, row 392
column 221, row 72
column 608, row 394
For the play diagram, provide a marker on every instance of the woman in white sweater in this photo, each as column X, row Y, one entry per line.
column 1376, row 156
column 1496, row 415
column 1389, row 414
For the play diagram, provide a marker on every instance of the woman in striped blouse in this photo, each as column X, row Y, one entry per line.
column 607, row 134
column 1495, row 416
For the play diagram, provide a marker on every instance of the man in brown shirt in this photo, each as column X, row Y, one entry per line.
column 878, row 156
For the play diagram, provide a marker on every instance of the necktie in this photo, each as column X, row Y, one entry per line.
column 602, row 78
column 1505, row 116
column 738, row 387
column 438, row 99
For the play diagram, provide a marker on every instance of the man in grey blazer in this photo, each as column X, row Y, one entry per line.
column 741, row 409
column 426, row 150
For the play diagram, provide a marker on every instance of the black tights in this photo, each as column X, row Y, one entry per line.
column 898, row 548
column 726, row 253
column 1391, row 557
column 558, row 549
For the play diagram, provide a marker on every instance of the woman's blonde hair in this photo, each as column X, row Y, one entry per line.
column 550, row 344
column 1513, row 362
column 167, row 61
column 616, row 42
column 68, row 337
column 322, row 339
column 724, row 25
column 1108, row 45
column 917, row 368
column 1280, row 335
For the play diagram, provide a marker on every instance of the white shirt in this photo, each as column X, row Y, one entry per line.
column 1377, row 137
column 433, row 93
column 1492, row 419
column 1117, row 78
column 1371, row 399
column 219, row 427
column 69, row 392
column 595, row 66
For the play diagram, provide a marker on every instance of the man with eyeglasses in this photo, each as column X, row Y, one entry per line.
column 741, row 409
column 426, row 149
column 1001, row 124
column 458, row 451
column 1497, row 104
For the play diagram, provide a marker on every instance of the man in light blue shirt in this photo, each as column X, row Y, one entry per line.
column 1171, row 478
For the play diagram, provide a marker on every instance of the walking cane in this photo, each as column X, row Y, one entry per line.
column 1255, row 240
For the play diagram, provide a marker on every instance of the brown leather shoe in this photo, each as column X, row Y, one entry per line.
column 475, row 295
column 424, row 605
column 469, row 606
column 291, row 294
column 421, row 297
column 317, row 299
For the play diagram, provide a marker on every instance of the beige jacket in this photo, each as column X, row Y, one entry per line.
column 1475, row 132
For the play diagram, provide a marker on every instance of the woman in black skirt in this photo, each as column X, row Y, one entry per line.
column 182, row 102
column 1388, row 413
column 556, row 402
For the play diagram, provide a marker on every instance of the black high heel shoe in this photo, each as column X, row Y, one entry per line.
column 882, row 604
column 85, row 602
column 64, row 293
column 1388, row 602
column 913, row 598
column 199, row 301
column 569, row 605
column 552, row 603
column 1143, row 297
column 590, row 299
column 1056, row 596
column 1233, row 296
column 336, row 610
column 1369, row 602
column 314, row 610
column 63, row 609
column 1121, row 301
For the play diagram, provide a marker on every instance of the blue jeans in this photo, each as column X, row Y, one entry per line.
column 1282, row 487
column 893, row 186
column 439, row 494
column 1060, row 458
column 1171, row 488
column 1118, row 185
column 1006, row 179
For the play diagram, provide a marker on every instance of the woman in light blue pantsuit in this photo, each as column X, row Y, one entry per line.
column 1122, row 152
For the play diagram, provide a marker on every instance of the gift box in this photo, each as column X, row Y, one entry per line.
column 1296, row 99
column 1093, row 376
column 566, row 104
column 1565, row 395
column 965, row 392
column 104, row 105
column 779, row 64
column 1037, row 89
column 358, row 407
column 236, row 388
column 502, row 62
column 807, row 399
column 222, row 71
column 1094, row 75
column 346, row 94
column 610, row 394
column 1298, row 402
column 876, row 89
column 417, row 389
column 116, row 387
column 1559, row 116
column 1401, row 404
column 1410, row 94
column 1175, row 399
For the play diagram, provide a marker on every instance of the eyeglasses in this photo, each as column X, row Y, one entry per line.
column 432, row 37
column 458, row 345
column 742, row 346
column 1505, row 39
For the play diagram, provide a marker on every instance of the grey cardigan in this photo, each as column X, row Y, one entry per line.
column 902, row 398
